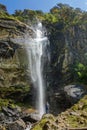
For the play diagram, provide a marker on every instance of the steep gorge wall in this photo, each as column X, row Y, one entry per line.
column 67, row 47
column 14, row 74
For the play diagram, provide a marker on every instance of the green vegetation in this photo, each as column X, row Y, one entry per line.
column 78, row 116
column 3, row 8
column 61, row 13
column 14, row 85
column 4, row 102
column 10, row 95
column 81, row 72
column 28, row 16
column 6, row 16
column 4, row 13
column 75, row 117
column 45, row 123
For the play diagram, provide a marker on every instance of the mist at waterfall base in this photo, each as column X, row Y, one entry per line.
column 36, row 51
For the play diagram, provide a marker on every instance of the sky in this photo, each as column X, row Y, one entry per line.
column 44, row 5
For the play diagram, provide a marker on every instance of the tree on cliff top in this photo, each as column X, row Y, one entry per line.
column 3, row 8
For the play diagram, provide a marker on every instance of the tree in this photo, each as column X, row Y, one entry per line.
column 81, row 71
column 3, row 8
column 54, row 10
column 18, row 13
column 50, row 18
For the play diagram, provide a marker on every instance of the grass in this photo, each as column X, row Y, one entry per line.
column 79, row 120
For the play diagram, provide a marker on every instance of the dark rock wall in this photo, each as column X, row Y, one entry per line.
column 67, row 47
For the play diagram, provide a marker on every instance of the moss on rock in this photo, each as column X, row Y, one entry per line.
column 75, row 117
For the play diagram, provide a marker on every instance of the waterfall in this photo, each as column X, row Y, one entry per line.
column 36, row 53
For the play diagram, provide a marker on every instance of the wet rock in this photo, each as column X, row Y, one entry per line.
column 2, row 117
column 33, row 118
column 8, row 111
column 9, row 114
column 17, row 125
column 5, row 119
column 28, row 126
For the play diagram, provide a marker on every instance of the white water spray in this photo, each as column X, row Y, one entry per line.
column 36, row 52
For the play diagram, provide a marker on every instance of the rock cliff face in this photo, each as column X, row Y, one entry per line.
column 14, row 81
column 67, row 47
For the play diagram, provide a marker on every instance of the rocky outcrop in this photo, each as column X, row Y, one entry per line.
column 14, row 74
column 15, row 83
column 17, row 125
column 75, row 92
column 73, row 118
column 68, row 46
column 10, row 114
column 13, row 117
column 11, row 35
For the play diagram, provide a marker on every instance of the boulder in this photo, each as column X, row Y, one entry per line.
column 2, row 127
column 2, row 116
column 74, row 92
column 9, row 114
column 17, row 125
column 9, row 111
column 32, row 118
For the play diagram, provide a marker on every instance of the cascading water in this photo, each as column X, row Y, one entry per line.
column 36, row 53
